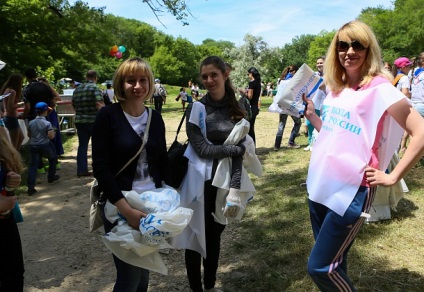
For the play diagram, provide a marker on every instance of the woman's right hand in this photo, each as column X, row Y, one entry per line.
column 309, row 106
column 133, row 216
column 7, row 203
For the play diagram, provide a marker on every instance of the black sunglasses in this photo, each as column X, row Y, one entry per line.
column 344, row 46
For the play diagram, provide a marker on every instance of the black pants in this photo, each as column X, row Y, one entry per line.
column 255, row 112
column 213, row 232
column 12, row 263
column 158, row 103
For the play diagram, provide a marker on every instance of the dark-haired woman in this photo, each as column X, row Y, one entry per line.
column 253, row 94
column 209, row 123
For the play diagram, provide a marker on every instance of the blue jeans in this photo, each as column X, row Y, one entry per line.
column 295, row 130
column 334, row 235
column 36, row 152
column 129, row 278
column 84, row 131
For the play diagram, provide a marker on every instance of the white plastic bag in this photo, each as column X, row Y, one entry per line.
column 154, row 201
column 157, row 227
column 165, row 219
column 24, row 129
column 304, row 81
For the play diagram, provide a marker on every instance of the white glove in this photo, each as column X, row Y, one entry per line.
column 233, row 205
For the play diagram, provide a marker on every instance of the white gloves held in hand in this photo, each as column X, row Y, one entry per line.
column 233, row 204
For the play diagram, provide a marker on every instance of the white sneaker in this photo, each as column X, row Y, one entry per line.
column 308, row 148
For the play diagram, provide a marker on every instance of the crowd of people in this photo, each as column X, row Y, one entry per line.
column 373, row 103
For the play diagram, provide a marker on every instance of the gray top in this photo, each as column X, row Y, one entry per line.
column 38, row 129
column 218, row 127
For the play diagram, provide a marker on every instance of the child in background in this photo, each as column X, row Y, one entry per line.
column 41, row 132
column 183, row 95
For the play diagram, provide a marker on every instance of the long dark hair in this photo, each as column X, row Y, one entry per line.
column 236, row 112
column 14, row 82
column 255, row 73
column 286, row 72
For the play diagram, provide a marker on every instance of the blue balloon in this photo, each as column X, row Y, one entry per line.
column 121, row 49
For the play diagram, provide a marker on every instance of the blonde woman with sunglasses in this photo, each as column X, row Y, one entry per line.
column 362, row 121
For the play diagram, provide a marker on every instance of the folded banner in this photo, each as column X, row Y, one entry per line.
column 289, row 100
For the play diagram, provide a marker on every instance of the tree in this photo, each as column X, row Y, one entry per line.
column 319, row 46
column 176, row 64
column 296, row 53
column 251, row 54
column 177, row 8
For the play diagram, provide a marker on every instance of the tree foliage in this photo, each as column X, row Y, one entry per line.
column 65, row 40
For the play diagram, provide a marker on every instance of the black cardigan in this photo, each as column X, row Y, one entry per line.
column 114, row 143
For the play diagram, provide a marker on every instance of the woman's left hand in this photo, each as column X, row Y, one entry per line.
column 377, row 177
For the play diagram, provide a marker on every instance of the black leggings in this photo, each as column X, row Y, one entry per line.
column 213, row 232
column 12, row 263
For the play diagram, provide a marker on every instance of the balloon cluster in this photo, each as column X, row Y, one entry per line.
column 116, row 51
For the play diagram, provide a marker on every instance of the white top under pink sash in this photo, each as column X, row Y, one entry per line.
column 343, row 147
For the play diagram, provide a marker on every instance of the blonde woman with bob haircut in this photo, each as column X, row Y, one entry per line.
column 117, row 137
column 362, row 121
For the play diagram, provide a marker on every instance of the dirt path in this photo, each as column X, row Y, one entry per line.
column 59, row 251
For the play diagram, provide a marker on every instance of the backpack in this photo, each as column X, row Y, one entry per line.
column 245, row 103
column 160, row 91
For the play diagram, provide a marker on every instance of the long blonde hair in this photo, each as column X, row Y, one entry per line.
column 9, row 156
column 335, row 77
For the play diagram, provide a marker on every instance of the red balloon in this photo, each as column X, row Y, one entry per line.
column 112, row 53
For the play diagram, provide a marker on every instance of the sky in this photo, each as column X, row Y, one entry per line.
column 276, row 21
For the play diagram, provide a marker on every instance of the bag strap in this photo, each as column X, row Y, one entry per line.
column 179, row 126
column 145, row 139
column 397, row 78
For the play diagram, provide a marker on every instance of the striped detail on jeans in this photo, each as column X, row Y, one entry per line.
column 333, row 275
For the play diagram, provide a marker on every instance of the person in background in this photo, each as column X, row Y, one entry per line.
column 110, row 92
column 183, row 96
column 74, row 84
column 35, row 92
column 317, row 99
column 12, row 267
column 54, row 120
column 417, row 86
column 87, row 100
column 206, row 141
column 344, row 172
column 388, row 66
column 120, row 128
column 253, row 94
column 286, row 75
column 13, row 87
column 158, row 95
column 41, row 132
column 401, row 68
